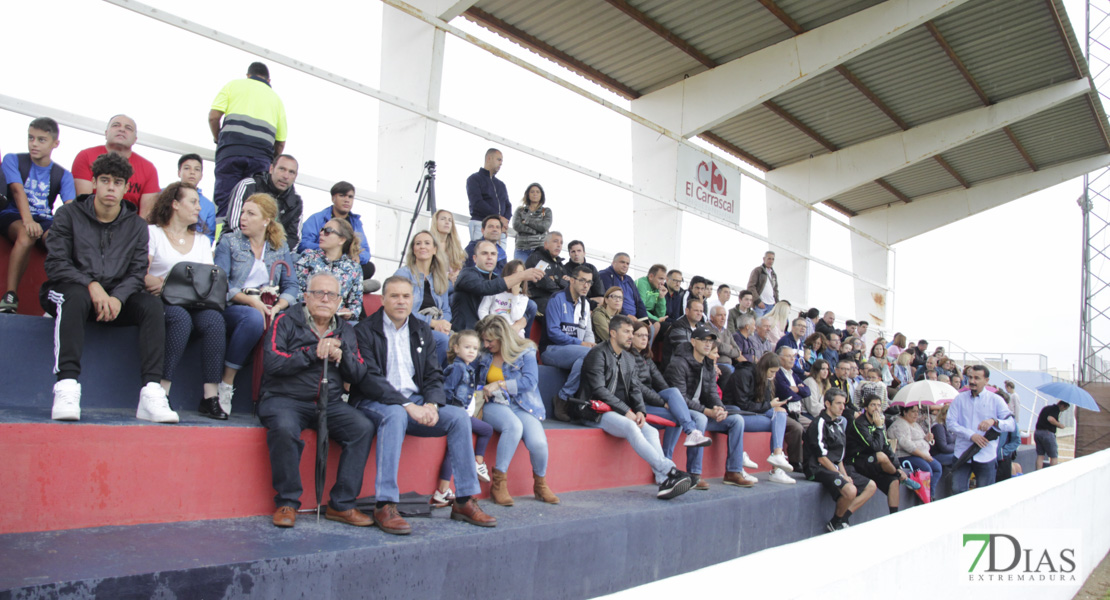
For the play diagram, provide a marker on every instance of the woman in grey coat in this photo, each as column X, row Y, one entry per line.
column 531, row 221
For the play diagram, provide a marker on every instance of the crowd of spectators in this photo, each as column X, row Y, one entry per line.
column 449, row 353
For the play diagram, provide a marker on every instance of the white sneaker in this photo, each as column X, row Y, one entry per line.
column 697, row 439
column 442, row 499
column 154, row 406
column 749, row 463
column 483, row 472
column 67, row 401
column 779, row 476
column 224, row 392
column 779, row 460
column 747, row 477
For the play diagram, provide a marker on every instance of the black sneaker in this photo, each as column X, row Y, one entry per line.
column 9, row 303
column 831, row 526
column 676, row 484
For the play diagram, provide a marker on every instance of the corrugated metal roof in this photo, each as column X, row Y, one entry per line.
column 986, row 157
column 1010, row 48
column 811, row 15
column 722, row 30
column 1062, row 134
column 925, row 177
column 868, row 195
column 834, row 108
column 914, row 77
column 779, row 141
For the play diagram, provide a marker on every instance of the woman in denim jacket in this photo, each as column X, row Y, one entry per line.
column 513, row 406
column 247, row 256
column 423, row 268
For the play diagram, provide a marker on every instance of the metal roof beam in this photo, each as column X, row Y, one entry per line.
column 900, row 222
column 542, row 48
column 802, row 127
column 707, row 99
column 959, row 64
column 826, row 176
column 781, row 15
column 1020, row 148
column 443, row 9
column 658, row 29
column 733, row 149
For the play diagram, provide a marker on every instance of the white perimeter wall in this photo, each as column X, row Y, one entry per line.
column 917, row 553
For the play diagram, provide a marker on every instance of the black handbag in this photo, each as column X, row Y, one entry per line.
column 196, row 285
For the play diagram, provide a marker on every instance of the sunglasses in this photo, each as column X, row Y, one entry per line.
column 329, row 231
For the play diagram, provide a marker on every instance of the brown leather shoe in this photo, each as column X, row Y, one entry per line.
column 285, row 516
column 390, row 521
column 541, row 491
column 473, row 514
column 737, row 479
column 353, row 516
column 499, row 489
column 701, row 485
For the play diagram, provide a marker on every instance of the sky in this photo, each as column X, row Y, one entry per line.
column 968, row 285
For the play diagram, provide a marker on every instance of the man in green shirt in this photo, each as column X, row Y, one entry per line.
column 652, row 289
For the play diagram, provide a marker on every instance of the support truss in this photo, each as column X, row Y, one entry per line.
column 1094, row 322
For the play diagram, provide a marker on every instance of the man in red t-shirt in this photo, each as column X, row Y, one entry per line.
column 142, row 188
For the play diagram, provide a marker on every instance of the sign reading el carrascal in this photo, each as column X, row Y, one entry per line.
column 707, row 186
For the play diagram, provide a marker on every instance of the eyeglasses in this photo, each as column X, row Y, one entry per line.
column 583, row 281
column 617, row 296
column 324, row 295
column 329, row 231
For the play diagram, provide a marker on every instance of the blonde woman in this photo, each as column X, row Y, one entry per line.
column 448, row 248
column 248, row 256
column 609, row 307
column 430, row 285
column 513, row 406
column 903, row 371
column 779, row 317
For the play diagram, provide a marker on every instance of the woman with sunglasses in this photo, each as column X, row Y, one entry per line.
column 338, row 255
column 248, row 256
column 609, row 307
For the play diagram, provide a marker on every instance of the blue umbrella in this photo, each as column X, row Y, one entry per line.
column 1070, row 393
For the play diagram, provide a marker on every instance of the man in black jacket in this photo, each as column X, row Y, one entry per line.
column 825, row 441
column 681, row 330
column 278, row 182
column 556, row 277
column 577, row 252
column 96, row 262
column 693, row 373
column 402, row 392
column 297, row 344
column 869, row 453
column 479, row 281
column 609, row 376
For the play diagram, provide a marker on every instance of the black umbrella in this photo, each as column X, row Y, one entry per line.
column 321, row 439
column 991, row 435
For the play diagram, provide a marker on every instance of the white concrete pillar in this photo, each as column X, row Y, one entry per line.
column 789, row 222
column 412, row 68
column 872, row 303
column 656, row 227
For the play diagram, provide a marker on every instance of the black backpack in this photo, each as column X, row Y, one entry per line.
column 56, row 175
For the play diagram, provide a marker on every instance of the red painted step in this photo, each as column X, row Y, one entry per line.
column 68, row 476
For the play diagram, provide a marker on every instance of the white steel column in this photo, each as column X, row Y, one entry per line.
column 790, row 222
column 412, row 69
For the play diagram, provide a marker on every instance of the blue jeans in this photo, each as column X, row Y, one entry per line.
column 393, row 422
column 946, row 459
column 985, row 474
column 644, row 441
column 934, row 467
column 285, row 418
column 522, row 255
column 442, row 340
column 513, row 423
column 760, row 312
column 733, row 425
column 772, row 421
column 245, row 326
column 566, row 357
column 679, row 412
column 476, row 232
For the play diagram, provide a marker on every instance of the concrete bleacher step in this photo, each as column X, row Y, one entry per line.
column 595, row 542
column 115, row 470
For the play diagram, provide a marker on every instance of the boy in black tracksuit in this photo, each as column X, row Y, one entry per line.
column 96, row 262
column 825, row 441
